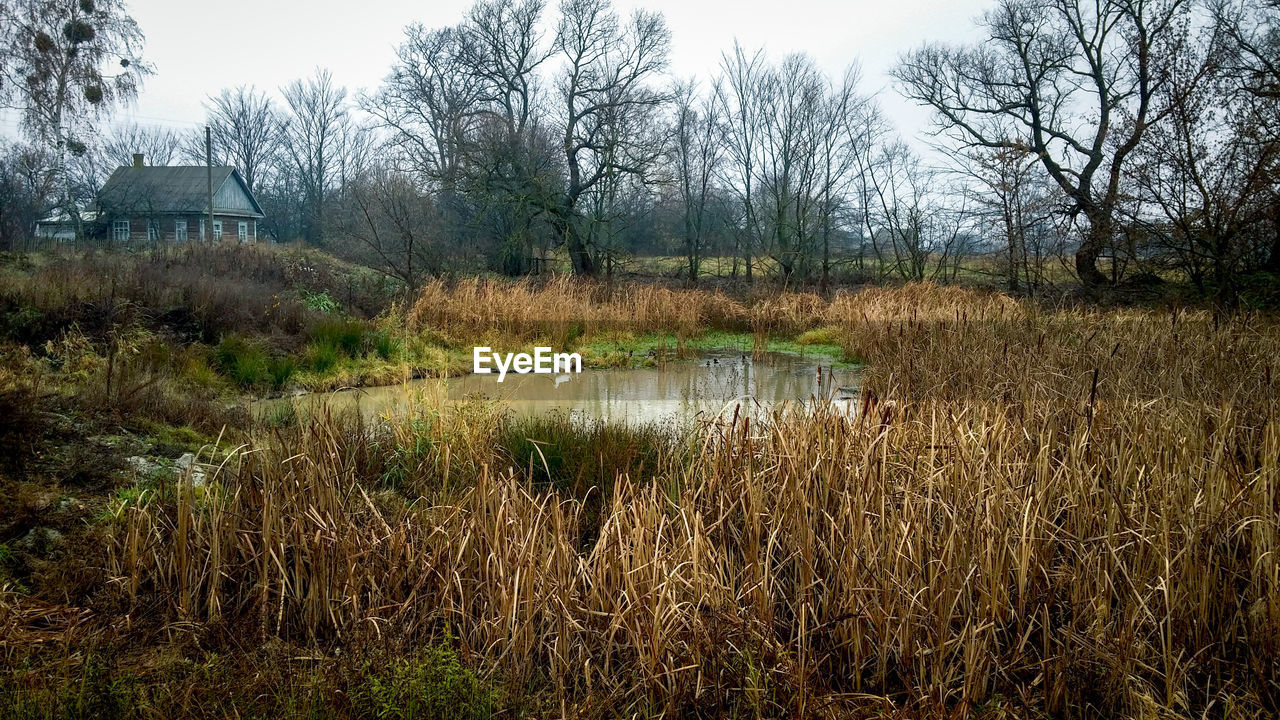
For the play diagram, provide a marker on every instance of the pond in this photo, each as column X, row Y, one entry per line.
column 677, row 390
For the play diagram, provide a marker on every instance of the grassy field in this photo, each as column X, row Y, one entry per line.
column 1035, row 512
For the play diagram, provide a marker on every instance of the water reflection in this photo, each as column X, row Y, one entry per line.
column 676, row 391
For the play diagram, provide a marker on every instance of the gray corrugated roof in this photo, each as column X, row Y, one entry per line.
column 168, row 189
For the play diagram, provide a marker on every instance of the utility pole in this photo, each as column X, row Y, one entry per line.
column 208, row 164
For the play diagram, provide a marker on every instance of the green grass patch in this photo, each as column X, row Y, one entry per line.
column 321, row 358
column 281, row 370
column 242, row 360
column 433, row 684
column 632, row 350
column 384, row 344
column 183, row 437
column 343, row 336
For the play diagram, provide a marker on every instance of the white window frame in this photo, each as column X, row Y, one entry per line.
column 153, row 230
column 120, row 230
column 217, row 230
column 242, row 231
column 179, row 230
column 202, row 235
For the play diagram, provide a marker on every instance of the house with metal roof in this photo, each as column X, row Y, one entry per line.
column 171, row 204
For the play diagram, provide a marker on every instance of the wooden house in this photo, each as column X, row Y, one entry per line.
column 171, row 204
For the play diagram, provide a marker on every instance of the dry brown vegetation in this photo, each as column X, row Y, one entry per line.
column 193, row 292
column 563, row 308
column 1033, row 512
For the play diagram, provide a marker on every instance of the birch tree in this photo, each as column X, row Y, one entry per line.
column 64, row 64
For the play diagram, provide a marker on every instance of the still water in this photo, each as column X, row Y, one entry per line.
column 675, row 391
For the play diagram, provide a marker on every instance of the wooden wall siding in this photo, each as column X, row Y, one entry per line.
column 168, row 233
column 232, row 197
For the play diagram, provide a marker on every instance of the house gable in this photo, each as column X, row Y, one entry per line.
column 234, row 198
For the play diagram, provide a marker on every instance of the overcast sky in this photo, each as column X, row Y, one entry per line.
column 271, row 42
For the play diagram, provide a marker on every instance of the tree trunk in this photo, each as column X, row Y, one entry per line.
column 691, row 245
column 1095, row 240
column 583, row 264
column 64, row 180
column 826, row 258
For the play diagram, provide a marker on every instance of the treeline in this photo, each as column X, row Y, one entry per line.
column 1108, row 141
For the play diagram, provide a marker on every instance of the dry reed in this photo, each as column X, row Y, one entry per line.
column 1073, row 513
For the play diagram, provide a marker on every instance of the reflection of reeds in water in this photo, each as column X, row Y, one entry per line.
column 991, row 525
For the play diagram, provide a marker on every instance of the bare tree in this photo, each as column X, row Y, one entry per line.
column 790, row 95
column 514, row 176
column 791, row 157
column 609, row 65
column 867, row 134
column 157, row 145
column 1210, row 165
column 395, row 227
column 901, row 184
column 28, row 186
column 697, row 153
column 312, row 134
column 246, row 130
column 430, row 102
column 1247, row 35
column 738, row 94
column 612, row 204
column 505, row 50
column 1011, row 200
column 65, row 63
column 1076, row 80
column 836, row 157
column 916, row 214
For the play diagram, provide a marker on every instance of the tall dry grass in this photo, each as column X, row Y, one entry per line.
column 563, row 307
column 1033, row 512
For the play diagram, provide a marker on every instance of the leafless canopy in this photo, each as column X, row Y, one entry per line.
column 1071, row 81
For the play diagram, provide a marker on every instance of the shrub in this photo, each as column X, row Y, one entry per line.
column 583, row 458
column 819, row 336
column 21, row 423
column 384, row 345
column 280, row 370
column 345, row 336
column 576, row 455
column 322, row 358
column 431, row 685
column 320, row 302
column 241, row 360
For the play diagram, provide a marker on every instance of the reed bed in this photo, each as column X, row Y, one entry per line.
column 563, row 307
column 1031, row 513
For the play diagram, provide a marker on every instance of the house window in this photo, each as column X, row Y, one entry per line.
column 244, row 231
column 153, row 230
column 217, row 230
column 120, row 231
column 202, row 235
column 180, row 230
